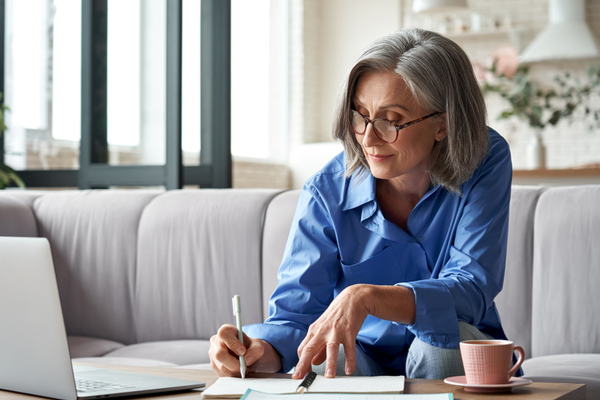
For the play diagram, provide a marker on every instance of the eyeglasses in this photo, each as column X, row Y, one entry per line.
column 385, row 130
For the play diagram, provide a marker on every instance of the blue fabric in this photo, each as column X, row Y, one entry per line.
column 452, row 257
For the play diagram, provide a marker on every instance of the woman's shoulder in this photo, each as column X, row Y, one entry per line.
column 330, row 182
column 330, row 173
column 497, row 165
column 497, row 142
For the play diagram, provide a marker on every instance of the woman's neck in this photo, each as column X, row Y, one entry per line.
column 397, row 198
column 406, row 186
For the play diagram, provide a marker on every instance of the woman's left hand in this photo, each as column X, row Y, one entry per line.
column 339, row 324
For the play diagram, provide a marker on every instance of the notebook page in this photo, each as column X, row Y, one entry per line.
column 228, row 387
column 358, row 384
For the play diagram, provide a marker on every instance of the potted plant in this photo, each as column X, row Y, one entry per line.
column 536, row 104
column 8, row 175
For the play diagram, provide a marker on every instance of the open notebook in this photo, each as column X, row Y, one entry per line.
column 234, row 388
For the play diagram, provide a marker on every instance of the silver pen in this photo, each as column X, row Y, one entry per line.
column 237, row 311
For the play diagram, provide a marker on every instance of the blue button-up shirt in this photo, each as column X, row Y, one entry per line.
column 452, row 257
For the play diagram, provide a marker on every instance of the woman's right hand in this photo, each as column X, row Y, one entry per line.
column 225, row 349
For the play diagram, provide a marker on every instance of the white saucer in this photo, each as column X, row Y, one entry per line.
column 505, row 387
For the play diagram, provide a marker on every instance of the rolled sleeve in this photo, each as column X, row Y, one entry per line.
column 435, row 314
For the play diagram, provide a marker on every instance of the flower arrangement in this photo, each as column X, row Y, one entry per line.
column 540, row 105
column 536, row 104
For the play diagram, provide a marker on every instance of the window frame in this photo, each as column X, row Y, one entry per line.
column 215, row 169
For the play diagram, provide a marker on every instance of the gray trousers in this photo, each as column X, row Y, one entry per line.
column 423, row 360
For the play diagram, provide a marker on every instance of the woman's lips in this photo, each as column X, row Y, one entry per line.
column 377, row 157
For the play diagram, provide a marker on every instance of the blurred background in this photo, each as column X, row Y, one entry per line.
column 288, row 59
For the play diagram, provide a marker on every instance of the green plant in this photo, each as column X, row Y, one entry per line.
column 541, row 106
column 8, row 175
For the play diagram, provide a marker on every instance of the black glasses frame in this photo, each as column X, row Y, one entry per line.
column 396, row 126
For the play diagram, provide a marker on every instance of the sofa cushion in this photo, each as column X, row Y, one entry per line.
column 81, row 346
column 178, row 352
column 566, row 368
column 27, row 196
column 514, row 301
column 196, row 250
column 16, row 217
column 93, row 237
column 566, row 272
column 278, row 222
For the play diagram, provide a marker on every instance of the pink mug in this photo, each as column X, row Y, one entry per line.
column 487, row 362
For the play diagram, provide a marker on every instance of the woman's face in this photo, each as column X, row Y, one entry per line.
column 386, row 95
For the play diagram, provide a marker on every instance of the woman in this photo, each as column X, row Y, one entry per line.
column 398, row 245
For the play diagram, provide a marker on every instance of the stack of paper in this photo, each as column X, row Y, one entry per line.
column 234, row 388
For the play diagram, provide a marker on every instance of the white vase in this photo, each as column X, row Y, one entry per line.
column 536, row 152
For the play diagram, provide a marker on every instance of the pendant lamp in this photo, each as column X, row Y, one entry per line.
column 567, row 36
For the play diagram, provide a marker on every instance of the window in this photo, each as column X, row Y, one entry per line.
column 259, row 79
column 100, row 97
column 42, row 84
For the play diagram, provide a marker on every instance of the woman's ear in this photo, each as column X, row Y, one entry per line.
column 442, row 130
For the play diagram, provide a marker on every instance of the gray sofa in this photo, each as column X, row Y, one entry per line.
column 146, row 277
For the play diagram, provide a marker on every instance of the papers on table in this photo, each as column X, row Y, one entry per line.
column 234, row 388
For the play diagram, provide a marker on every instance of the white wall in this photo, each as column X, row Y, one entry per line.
column 343, row 28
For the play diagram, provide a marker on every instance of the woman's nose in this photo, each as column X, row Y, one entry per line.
column 370, row 138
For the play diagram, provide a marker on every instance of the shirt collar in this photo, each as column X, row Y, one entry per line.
column 359, row 190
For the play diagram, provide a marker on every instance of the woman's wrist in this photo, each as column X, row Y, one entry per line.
column 270, row 361
column 392, row 303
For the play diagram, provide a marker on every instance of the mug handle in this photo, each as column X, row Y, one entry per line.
column 520, row 360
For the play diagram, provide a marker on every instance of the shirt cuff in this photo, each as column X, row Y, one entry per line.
column 436, row 322
column 285, row 339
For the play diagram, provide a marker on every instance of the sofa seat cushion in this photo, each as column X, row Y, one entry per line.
column 178, row 352
column 566, row 368
column 130, row 362
column 83, row 346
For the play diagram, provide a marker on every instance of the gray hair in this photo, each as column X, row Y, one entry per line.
column 441, row 78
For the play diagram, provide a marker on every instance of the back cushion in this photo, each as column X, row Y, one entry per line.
column 16, row 217
column 514, row 301
column 566, row 271
column 196, row 250
column 93, row 237
column 277, row 229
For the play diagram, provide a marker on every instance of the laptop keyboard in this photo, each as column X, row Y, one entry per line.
column 86, row 386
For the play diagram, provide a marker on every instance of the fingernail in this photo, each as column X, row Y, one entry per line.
column 249, row 360
column 348, row 371
column 297, row 371
column 330, row 373
column 240, row 351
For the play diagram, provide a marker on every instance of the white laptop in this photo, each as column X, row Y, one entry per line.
column 34, row 355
